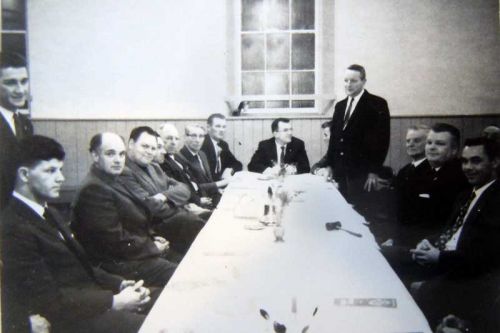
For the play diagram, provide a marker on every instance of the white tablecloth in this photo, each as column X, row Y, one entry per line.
column 231, row 273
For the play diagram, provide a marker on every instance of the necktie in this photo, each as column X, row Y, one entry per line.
column 19, row 126
column 198, row 158
column 218, row 167
column 347, row 114
column 282, row 157
column 459, row 221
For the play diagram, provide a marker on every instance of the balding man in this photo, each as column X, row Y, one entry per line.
column 114, row 227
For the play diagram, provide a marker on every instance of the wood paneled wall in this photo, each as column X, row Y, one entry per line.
column 243, row 135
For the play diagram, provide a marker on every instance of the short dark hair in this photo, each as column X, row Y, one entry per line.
column 12, row 59
column 96, row 141
column 136, row 132
column 490, row 146
column 326, row 124
column 210, row 119
column 36, row 148
column 275, row 123
column 360, row 69
column 444, row 127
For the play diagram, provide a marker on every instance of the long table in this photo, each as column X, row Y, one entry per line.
column 237, row 279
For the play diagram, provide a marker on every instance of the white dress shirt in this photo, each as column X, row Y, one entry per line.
column 355, row 101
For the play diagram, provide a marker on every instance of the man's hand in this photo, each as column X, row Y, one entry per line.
column 195, row 209
column 227, row 173
column 161, row 243
column 39, row 324
column 371, row 182
column 126, row 283
column 205, row 201
column 131, row 298
column 425, row 253
column 223, row 182
column 290, row 169
column 325, row 173
column 159, row 197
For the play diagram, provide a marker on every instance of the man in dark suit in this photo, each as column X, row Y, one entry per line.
column 45, row 270
column 177, row 167
column 359, row 140
column 166, row 198
column 281, row 152
column 199, row 168
column 222, row 162
column 112, row 224
column 14, row 125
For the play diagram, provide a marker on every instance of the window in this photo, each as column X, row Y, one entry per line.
column 278, row 55
column 14, row 26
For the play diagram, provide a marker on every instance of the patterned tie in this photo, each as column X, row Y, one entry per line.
column 459, row 221
column 282, row 157
column 347, row 114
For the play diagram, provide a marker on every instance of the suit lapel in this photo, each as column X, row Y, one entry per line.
column 142, row 175
column 480, row 204
column 5, row 128
column 210, row 151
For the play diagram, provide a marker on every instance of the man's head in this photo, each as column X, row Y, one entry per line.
column 282, row 130
column 108, row 152
column 216, row 126
column 14, row 83
column 416, row 138
column 442, row 144
column 39, row 173
column 491, row 132
column 160, row 152
column 354, row 80
column 325, row 128
column 480, row 159
column 142, row 145
column 170, row 136
column 195, row 134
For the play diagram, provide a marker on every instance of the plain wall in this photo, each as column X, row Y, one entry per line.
column 426, row 57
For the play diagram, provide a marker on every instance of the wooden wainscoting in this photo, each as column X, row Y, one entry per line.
column 243, row 135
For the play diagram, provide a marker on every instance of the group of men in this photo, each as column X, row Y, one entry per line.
column 145, row 200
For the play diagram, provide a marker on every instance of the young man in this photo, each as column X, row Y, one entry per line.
column 45, row 270
column 283, row 150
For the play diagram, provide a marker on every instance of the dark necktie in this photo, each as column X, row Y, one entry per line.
column 19, row 126
column 282, row 157
column 347, row 114
column 459, row 221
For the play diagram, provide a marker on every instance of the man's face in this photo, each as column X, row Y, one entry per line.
column 353, row 83
column 171, row 140
column 217, row 129
column 143, row 150
column 14, row 87
column 160, row 151
column 476, row 166
column 110, row 157
column 45, row 179
column 415, row 143
column 439, row 148
column 194, row 138
column 326, row 134
column 284, row 133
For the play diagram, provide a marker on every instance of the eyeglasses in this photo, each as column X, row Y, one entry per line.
column 194, row 136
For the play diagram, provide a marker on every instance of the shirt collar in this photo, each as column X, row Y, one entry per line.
column 418, row 162
column 356, row 99
column 39, row 209
column 483, row 188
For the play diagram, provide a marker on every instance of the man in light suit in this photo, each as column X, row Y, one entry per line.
column 359, row 140
column 281, row 152
column 222, row 162
column 14, row 92
column 198, row 163
column 115, row 227
column 45, row 270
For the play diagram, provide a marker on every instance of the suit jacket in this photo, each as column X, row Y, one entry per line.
column 203, row 177
column 266, row 156
column 111, row 224
column 181, row 174
column 227, row 158
column 146, row 182
column 10, row 145
column 45, row 274
column 362, row 146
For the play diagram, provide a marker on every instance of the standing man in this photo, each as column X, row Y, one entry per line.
column 14, row 126
column 222, row 162
column 359, row 140
column 282, row 151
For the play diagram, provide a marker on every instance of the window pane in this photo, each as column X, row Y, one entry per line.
column 13, row 17
column 14, row 43
column 278, row 104
column 303, row 51
column 277, row 83
column 252, row 83
column 256, row 105
column 303, row 83
column 303, row 14
column 252, row 16
column 278, row 51
column 277, row 14
column 303, row 104
column 252, row 52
